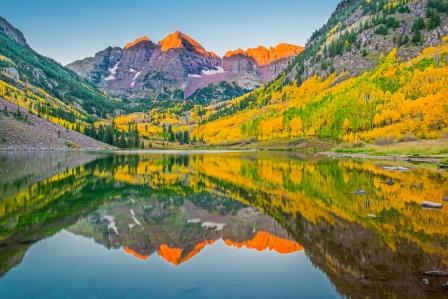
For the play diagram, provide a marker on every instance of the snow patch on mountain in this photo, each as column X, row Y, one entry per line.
column 135, row 218
column 112, row 225
column 219, row 70
column 135, row 78
column 213, row 225
column 112, row 71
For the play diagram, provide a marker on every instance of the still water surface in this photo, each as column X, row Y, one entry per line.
column 218, row 225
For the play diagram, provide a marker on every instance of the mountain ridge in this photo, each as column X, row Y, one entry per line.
column 136, row 42
column 265, row 55
column 177, row 66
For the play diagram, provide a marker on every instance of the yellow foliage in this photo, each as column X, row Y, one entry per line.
column 393, row 99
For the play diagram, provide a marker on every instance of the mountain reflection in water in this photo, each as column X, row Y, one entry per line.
column 377, row 243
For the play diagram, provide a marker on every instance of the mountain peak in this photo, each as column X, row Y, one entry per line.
column 263, row 56
column 136, row 42
column 179, row 40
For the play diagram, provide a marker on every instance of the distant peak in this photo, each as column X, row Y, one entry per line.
column 263, row 56
column 179, row 40
column 136, row 42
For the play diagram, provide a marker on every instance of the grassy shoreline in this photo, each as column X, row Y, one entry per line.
column 437, row 147
column 426, row 151
column 433, row 151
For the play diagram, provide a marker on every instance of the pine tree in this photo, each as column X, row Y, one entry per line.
column 122, row 142
column 417, row 37
column 434, row 18
column 179, row 136
column 171, row 137
column 186, row 137
column 137, row 137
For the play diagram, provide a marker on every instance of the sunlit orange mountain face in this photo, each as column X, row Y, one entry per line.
column 263, row 56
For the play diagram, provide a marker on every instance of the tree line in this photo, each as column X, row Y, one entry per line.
column 110, row 134
column 182, row 137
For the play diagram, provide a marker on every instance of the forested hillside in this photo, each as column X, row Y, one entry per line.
column 395, row 99
column 19, row 63
column 393, row 96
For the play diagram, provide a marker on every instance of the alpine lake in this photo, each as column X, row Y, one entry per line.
column 219, row 225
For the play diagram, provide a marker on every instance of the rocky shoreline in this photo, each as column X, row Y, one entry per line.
column 403, row 158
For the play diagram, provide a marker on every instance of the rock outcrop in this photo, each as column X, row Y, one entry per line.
column 359, row 33
column 12, row 32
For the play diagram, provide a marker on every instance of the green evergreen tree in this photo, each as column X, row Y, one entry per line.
column 122, row 142
column 171, row 137
column 434, row 18
column 136, row 137
column 186, row 137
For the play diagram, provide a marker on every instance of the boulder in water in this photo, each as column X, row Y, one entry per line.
column 359, row 192
column 436, row 273
column 431, row 205
column 396, row 168
column 388, row 182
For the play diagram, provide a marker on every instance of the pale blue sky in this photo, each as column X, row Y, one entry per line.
column 69, row 30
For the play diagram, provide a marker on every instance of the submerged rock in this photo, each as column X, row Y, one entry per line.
column 396, row 168
column 431, row 205
column 388, row 182
column 359, row 192
column 445, row 198
column 436, row 273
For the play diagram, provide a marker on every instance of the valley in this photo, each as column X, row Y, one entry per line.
column 375, row 73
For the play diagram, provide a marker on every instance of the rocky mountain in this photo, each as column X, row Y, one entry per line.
column 142, row 68
column 360, row 32
column 178, row 66
column 246, row 69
